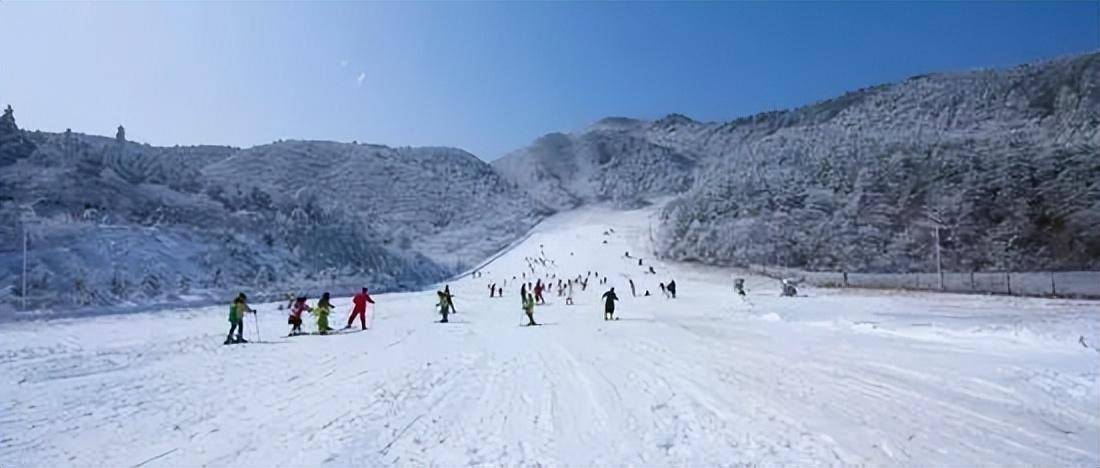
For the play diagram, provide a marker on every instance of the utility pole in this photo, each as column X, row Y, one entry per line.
column 24, row 295
column 939, row 261
column 936, row 223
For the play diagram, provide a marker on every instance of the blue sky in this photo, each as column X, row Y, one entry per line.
column 485, row 77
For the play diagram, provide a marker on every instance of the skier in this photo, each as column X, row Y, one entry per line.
column 538, row 292
column 646, row 293
column 739, row 286
column 294, row 319
column 500, row 291
column 450, row 298
column 569, row 298
column 788, row 289
column 236, row 319
column 632, row 292
column 672, row 288
column 651, row 270
column 609, row 298
column 664, row 290
column 445, row 303
column 290, row 298
column 359, row 308
column 321, row 311
column 626, row 254
column 639, row 262
column 529, row 309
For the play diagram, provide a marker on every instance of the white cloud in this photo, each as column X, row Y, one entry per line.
column 362, row 76
column 344, row 63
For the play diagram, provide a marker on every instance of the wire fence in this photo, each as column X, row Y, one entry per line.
column 1072, row 284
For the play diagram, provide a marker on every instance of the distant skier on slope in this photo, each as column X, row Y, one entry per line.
column 359, row 307
column 739, row 286
column 236, row 319
column 569, row 297
column 609, row 299
column 633, row 293
column 672, row 288
column 322, row 311
column 294, row 318
column 789, row 290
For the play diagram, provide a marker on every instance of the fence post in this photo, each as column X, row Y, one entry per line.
column 972, row 281
column 1008, row 282
column 1053, row 289
column 845, row 279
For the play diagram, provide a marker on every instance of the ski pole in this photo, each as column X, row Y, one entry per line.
column 256, row 318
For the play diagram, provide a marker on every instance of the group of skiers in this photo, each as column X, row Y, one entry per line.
column 296, row 308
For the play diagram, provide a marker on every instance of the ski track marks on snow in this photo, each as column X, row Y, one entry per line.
column 835, row 377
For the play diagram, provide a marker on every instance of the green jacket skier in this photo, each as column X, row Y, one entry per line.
column 321, row 311
column 237, row 309
column 529, row 309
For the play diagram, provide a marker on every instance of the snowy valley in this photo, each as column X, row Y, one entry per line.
column 831, row 377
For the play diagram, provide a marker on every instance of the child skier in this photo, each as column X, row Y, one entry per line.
column 236, row 319
column 321, row 311
column 294, row 319
column 359, row 308
column 609, row 304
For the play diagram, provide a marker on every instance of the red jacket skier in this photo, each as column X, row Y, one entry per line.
column 538, row 292
column 360, row 308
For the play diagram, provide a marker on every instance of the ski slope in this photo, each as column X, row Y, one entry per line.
column 834, row 377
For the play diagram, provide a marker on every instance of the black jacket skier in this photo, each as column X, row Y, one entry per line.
column 672, row 288
column 609, row 299
column 446, row 302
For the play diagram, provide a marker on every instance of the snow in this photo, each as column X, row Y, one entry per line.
column 831, row 377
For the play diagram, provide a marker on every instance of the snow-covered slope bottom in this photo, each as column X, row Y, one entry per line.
column 835, row 377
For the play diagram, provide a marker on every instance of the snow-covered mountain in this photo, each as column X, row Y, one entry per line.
column 613, row 160
column 114, row 222
column 1006, row 161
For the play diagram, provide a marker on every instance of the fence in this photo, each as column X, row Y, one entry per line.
column 1079, row 284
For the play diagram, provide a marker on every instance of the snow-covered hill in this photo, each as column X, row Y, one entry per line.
column 1005, row 160
column 834, row 377
column 611, row 161
column 114, row 223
